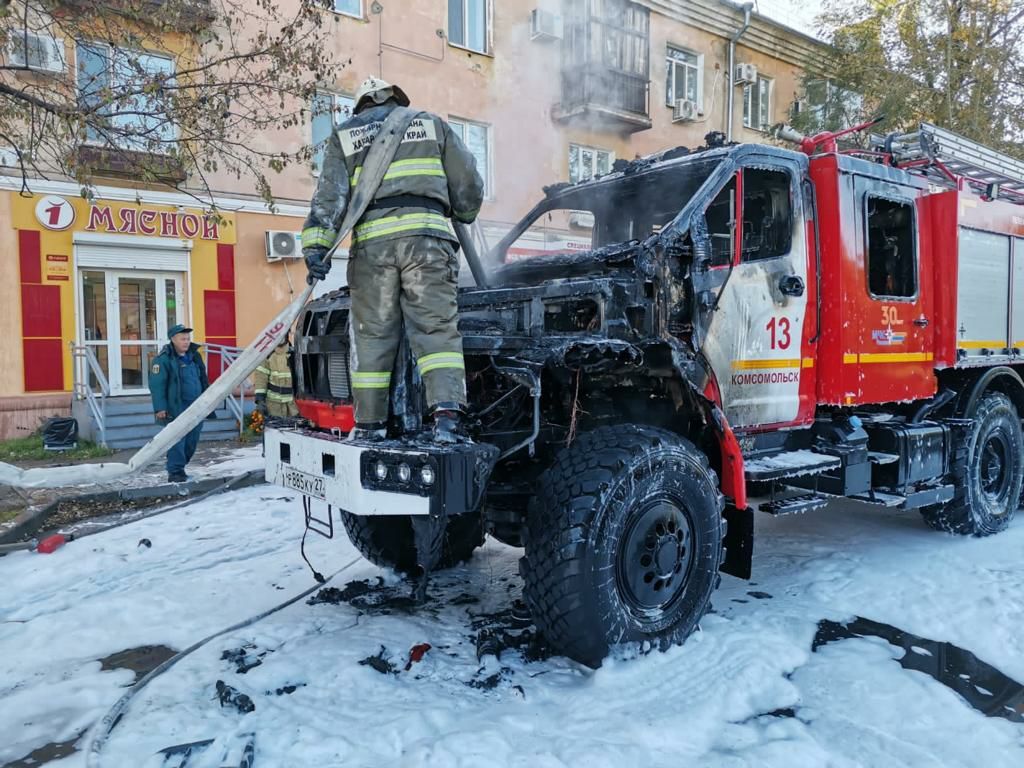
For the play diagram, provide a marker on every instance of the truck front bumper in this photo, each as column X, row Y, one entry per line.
column 386, row 477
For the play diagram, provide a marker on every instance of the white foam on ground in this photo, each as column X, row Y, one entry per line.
column 706, row 703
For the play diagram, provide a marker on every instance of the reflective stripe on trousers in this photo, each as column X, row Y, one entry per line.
column 371, row 379
column 440, row 360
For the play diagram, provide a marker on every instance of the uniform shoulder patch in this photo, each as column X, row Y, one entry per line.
column 156, row 368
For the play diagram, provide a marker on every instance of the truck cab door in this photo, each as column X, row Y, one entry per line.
column 895, row 349
column 758, row 339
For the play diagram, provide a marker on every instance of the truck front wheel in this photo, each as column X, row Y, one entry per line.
column 987, row 476
column 624, row 542
column 388, row 541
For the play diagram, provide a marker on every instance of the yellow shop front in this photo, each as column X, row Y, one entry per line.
column 91, row 287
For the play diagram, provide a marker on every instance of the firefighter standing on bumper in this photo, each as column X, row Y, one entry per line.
column 403, row 262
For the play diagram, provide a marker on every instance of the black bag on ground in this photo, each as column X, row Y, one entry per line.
column 60, row 434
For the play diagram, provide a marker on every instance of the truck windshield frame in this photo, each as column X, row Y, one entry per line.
column 625, row 206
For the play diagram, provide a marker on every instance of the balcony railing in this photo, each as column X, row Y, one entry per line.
column 129, row 163
column 592, row 91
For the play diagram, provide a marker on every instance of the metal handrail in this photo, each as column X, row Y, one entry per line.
column 86, row 362
column 225, row 356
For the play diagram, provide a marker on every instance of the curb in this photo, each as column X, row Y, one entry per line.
column 32, row 520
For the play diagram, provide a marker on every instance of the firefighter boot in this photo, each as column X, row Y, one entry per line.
column 448, row 426
column 371, row 430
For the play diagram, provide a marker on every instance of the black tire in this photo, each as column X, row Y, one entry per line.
column 624, row 542
column 988, row 476
column 388, row 541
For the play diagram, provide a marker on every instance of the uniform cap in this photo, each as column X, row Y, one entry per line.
column 177, row 328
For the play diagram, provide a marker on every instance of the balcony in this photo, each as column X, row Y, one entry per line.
column 614, row 99
column 188, row 16
column 124, row 163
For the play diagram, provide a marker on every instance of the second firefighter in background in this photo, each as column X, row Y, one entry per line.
column 272, row 384
column 404, row 259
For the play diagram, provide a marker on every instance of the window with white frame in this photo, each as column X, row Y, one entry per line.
column 38, row 52
column 586, row 163
column 757, row 104
column 683, row 76
column 468, row 24
column 349, row 7
column 477, row 138
column 329, row 111
column 137, row 112
column 827, row 106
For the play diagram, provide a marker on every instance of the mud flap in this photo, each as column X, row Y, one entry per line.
column 738, row 542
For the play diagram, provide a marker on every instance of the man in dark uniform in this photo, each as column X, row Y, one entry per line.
column 403, row 263
column 176, row 380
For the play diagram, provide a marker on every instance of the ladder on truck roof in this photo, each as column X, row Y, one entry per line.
column 948, row 159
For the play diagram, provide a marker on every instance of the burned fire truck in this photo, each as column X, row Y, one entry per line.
column 751, row 321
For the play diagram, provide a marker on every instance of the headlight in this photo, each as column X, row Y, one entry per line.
column 427, row 476
column 381, row 470
column 404, row 473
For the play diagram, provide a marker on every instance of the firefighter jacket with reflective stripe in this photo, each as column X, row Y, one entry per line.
column 432, row 178
column 273, row 380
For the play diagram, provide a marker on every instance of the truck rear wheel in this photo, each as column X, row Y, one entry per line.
column 989, row 475
column 388, row 541
column 624, row 542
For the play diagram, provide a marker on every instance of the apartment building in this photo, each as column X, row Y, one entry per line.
column 541, row 91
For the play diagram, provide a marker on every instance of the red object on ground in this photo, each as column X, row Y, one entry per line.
column 51, row 544
column 416, row 654
column 328, row 415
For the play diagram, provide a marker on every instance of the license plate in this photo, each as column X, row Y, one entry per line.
column 306, row 484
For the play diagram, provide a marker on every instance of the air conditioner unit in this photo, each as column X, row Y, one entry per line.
column 545, row 25
column 283, row 245
column 581, row 219
column 685, row 111
column 745, row 73
column 38, row 52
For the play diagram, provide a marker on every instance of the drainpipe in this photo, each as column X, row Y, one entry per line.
column 746, row 8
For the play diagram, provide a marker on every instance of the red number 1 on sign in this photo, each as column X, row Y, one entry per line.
column 54, row 211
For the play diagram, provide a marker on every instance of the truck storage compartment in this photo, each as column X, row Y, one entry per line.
column 922, row 450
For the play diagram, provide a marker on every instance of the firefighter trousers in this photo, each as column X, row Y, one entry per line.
column 413, row 278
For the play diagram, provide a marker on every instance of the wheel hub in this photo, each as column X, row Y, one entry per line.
column 995, row 475
column 654, row 557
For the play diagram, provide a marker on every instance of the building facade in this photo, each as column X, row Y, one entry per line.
column 541, row 91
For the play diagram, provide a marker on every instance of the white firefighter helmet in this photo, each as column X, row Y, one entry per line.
column 377, row 91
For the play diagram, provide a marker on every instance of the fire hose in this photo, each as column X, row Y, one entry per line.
column 100, row 733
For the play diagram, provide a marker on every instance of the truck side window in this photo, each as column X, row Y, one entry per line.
column 892, row 268
column 721, row 220
column 767, row 214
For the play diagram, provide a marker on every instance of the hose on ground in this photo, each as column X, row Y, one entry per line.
column 100, row 733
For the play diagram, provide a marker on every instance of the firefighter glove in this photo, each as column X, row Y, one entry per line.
column 317, row 265
column 261, row 404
